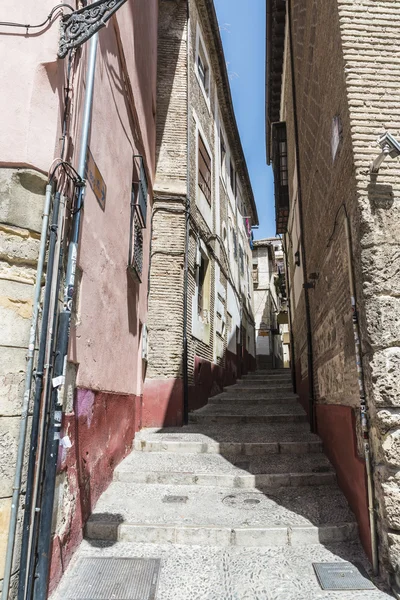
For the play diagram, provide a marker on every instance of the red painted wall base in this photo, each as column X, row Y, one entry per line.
column 101, row 430
column 337, row 428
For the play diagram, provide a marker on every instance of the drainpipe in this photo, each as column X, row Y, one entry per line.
column 61, row 354
column 41, row 369
column 363, row 404
column 311, row 398
column 292, row 353
column 185, row 361
column 26, row 398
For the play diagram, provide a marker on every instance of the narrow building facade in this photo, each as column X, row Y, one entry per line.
column 332, row 87
column 42, row 147
column 201, row 324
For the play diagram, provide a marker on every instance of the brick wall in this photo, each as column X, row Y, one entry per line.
column 167, row 266
column 346, row 66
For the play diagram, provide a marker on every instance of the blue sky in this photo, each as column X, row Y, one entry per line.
column 242, row 26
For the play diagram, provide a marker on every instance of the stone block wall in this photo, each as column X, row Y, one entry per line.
column 327, row 184
column 22, row 193
column 346, row 67
column 369, row 31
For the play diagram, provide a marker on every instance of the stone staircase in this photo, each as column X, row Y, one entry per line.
column 244, row 472
column 237, row 505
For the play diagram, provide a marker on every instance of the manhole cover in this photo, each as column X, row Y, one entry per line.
column 115, row 579
column 342, row 576
column 175, row 499
column 243, row 500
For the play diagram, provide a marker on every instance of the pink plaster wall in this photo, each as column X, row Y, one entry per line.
column 105, row 342
column 31, row 84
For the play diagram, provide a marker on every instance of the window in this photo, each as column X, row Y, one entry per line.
column 202, row 276
column 222, row 154
column 138, row 218
column 232, row 177
column 235, row 247
column 280, row 168
column 204, row 172
column 203, row 287
column 255, row 274
column 203, row 70
column 202, row 66
column 241, row 259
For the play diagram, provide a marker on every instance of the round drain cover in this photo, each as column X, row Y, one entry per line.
column 243, row 500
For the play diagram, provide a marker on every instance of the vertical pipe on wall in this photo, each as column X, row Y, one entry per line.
column 26, row 397
column 311, row 398
column 363, row 404
column 185, row 358
column 292, row 352
column 44, row 540
column 41, row 369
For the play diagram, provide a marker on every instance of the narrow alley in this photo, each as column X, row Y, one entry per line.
column 200, row 300
column 238, row 505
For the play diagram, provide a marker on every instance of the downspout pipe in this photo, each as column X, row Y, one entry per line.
column 185, row 357
column 311, row 397
column 363, row 403
column 41, row 369
column 26, row 398
column 292, row 352
column 61, row 355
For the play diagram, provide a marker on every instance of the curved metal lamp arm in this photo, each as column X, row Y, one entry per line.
column 79, row 26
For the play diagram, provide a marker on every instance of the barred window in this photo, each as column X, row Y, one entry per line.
column 136, row 253
column 138, row 218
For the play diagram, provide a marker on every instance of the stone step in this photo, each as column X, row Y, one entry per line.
column 248, row 440
column 265, row 391
column 234, row 573
column 265, row 377
column 246, row 399
column 275, row 470
column 274, row 413
column 250, row 386
column 198, row 515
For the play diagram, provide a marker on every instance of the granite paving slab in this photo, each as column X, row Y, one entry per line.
column 245, row 433
column 219, row 507
column 250, row 410
column 212, row 573
column 138, row 462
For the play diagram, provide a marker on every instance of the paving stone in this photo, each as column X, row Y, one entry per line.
column 237, row 505
column 214, row 470
column 215, row 573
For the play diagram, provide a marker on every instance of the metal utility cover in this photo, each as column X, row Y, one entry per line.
column 342, row 576
column 115, row 579
column 175, row 499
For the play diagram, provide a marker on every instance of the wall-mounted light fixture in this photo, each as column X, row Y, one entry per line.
column 297, row 258
column 390, row 147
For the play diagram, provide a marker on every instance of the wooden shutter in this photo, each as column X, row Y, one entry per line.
column 204, row 175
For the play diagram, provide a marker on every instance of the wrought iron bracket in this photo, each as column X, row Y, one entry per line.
column 79, row 26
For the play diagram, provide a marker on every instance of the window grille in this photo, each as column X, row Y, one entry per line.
column 280, row 168
column 139, row 193
column 137, row 220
